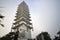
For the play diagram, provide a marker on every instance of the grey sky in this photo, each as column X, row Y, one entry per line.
column 45, row 15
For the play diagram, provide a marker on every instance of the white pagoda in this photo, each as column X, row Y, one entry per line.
column 22, row 22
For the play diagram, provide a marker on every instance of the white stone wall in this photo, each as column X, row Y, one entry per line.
column 24, row 32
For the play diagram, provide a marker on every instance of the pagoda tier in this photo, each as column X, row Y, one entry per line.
column 21, row 25
column 18, row 15
column 22, row 15
column 25, row 12
column 23, row 19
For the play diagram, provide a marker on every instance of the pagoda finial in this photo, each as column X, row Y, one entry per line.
column 23, row 0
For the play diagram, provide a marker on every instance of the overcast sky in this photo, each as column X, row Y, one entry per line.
column 45, row 15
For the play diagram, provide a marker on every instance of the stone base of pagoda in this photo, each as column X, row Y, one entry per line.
column 22, row 39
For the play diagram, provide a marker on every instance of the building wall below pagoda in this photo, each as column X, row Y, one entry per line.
column 24, row 33
column 22, row 39
column 28, row 34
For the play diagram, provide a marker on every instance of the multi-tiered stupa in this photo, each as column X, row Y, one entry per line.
column 22, row 22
